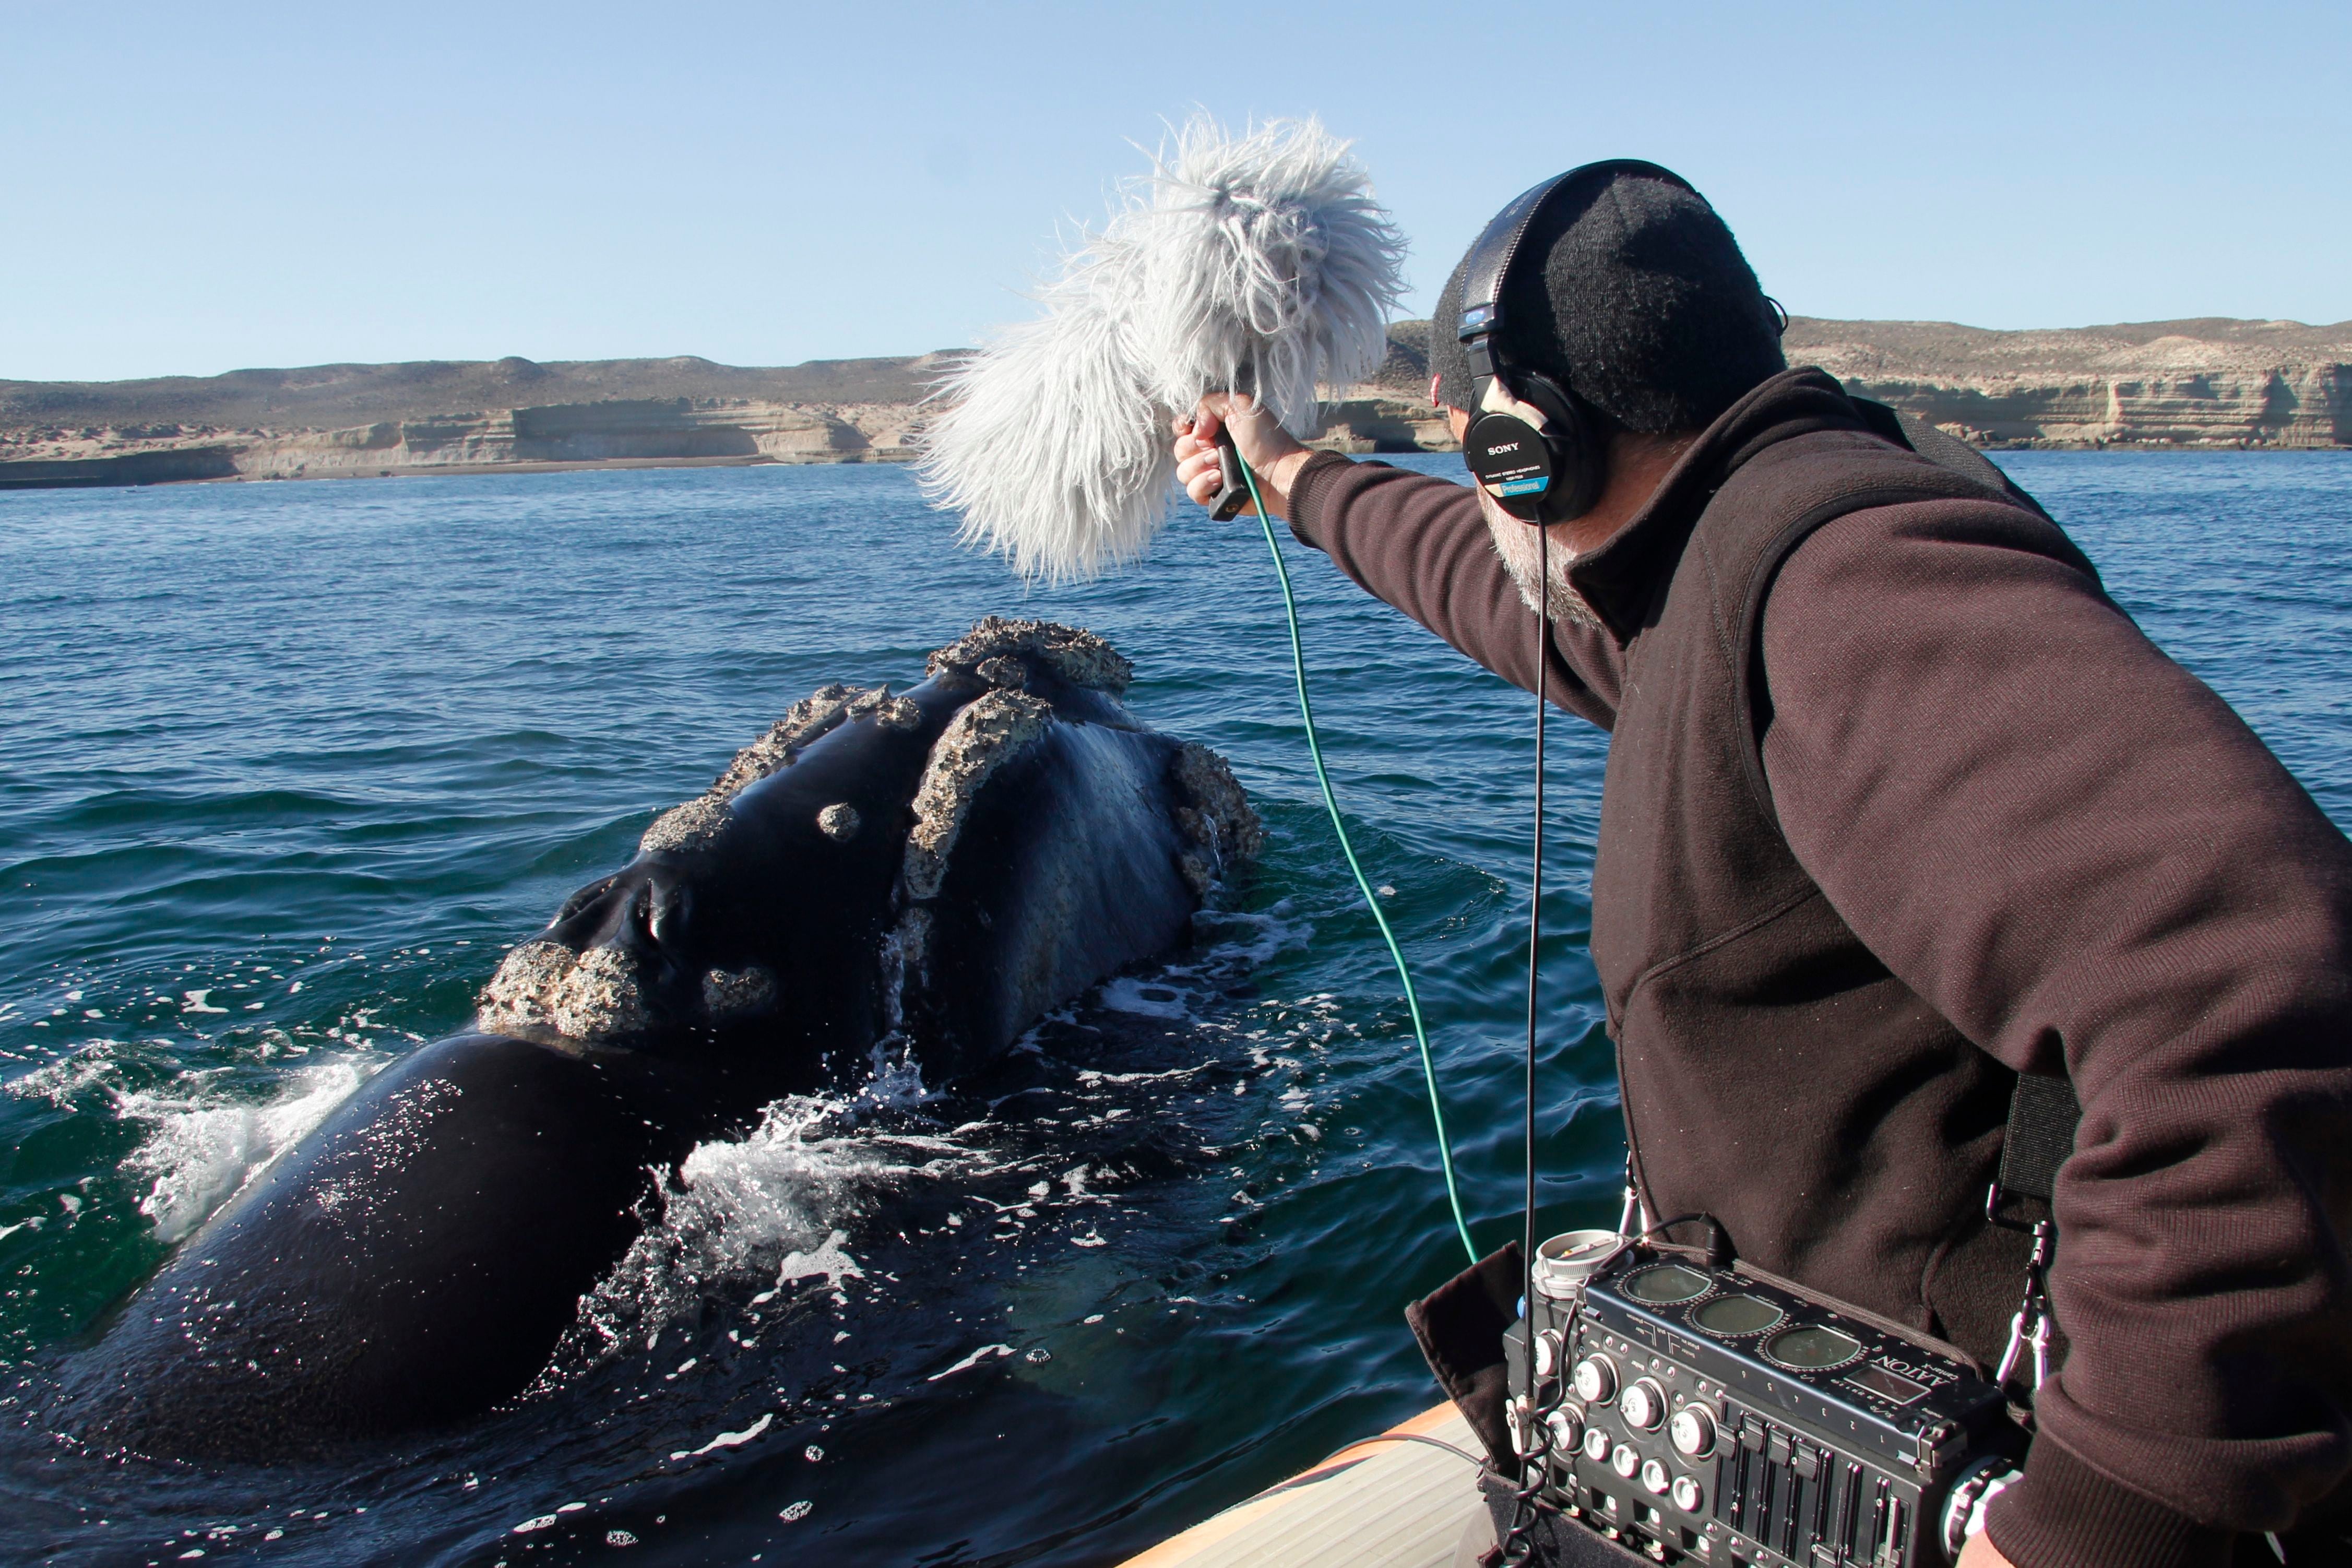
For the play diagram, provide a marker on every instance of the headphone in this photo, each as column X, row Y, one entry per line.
column 1533, row 444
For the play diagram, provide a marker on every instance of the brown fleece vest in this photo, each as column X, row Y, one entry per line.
column 1776, row 1075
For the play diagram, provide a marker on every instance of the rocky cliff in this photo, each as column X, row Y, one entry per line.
column 332, row 421
column 2213, row 383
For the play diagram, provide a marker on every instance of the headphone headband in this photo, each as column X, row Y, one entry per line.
column 1498, row 247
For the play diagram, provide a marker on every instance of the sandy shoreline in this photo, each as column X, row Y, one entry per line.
column 124, row 470
column 427, row 471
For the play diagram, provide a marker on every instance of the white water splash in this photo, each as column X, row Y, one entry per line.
column 830, row 1263
column 60, row 1081
column 1235, row 942
column 205, row 1146
column 984, row 1353
column 1153, row 998
column 728, row 1439
column 776, row 1200
column 1241, row 940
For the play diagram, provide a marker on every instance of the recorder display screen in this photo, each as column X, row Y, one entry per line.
column 1736, row 1315
column 1666, row 1284
column 1886, row 1385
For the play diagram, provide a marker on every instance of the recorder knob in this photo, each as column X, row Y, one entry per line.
column 1687, row 1495
column 1596, row 1444
column 1978, row 1485
column 1567, row 1431
column 1693, row 1432
column 1624, row 1461
column 1596, row 1380
column 1655, row 1479
column 1643, row 1406
column 1547, row 1349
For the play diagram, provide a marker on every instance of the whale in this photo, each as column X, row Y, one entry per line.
column 925, row 872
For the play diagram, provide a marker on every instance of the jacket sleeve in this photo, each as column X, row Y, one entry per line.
column 2075, row 851
column 1420, row 544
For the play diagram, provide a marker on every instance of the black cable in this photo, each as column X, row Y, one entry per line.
column 1654, row 1238
column 1535, row 935
column 1516, row 1543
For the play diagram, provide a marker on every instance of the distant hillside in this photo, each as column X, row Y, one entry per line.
column 326, row 396
column 2210, row 383
column 444, row 417
column 1932, row 350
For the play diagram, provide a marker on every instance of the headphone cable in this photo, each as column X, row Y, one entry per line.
column 1535, row 941
column 1363, row 884
column 1518, row 1544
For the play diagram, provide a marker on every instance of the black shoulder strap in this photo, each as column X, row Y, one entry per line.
column 2042, row 1115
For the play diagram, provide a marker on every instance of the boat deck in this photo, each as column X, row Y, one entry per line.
column 1375, row 1505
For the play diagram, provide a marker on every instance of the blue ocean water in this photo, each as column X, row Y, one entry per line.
column 284, row 767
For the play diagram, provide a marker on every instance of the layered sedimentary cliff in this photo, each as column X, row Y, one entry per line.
column 2212, row 383
column 352, row 420
column 619, row 430
column 2195, row 383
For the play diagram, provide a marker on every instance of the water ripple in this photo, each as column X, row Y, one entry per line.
column 287, row 766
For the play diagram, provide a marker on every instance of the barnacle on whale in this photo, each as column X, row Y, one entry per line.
column 1073, row 653
column 592, row 995
column 1217, row 817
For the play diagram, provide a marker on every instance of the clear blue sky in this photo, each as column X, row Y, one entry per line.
column 192, row 189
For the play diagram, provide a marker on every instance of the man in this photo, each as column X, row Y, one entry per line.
column 1900, row 805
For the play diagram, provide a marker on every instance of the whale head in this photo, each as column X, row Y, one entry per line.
column 801, row 899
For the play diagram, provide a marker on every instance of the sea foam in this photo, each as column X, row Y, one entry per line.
column 204, row 1145
column 772, row 1205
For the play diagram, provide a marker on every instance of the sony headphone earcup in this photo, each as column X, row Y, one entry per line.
column 1513, row 462
column 1539, row 476
column 1579, row 457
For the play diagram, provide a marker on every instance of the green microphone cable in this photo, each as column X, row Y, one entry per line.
column 1363, row 884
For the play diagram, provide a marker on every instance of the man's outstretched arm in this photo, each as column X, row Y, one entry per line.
column 1420, row 544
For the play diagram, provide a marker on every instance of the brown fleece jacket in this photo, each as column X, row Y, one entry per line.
column 1993, row 829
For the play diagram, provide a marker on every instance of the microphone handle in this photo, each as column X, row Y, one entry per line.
column 1234, row 496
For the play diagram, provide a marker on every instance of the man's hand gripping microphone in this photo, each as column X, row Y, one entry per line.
column 1232, row 495
column 1210, row 458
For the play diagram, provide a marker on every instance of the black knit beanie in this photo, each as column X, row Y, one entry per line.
column 1643, row 307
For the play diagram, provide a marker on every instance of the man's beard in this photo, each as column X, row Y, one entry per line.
column 1516, row 542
